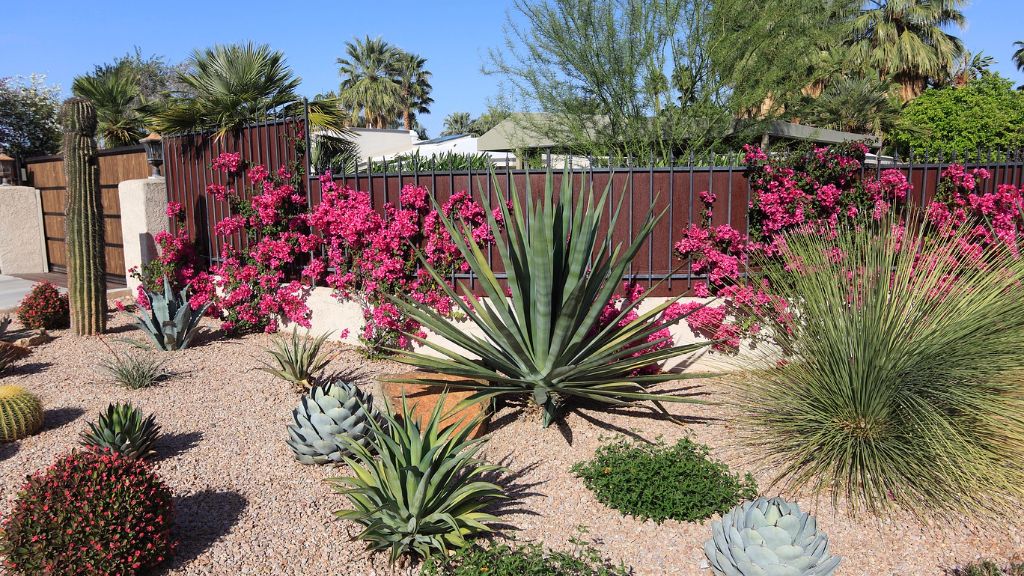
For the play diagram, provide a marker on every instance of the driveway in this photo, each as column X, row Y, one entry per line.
column 12, row 290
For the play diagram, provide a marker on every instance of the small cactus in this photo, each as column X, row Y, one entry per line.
column 21, row 413
column 87, row 289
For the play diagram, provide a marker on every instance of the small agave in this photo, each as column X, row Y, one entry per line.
column 123, row 429
column 769, row 537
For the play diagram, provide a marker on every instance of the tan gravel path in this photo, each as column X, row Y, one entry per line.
column 246, row 507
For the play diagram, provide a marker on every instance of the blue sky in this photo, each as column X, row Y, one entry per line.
column 64, row 38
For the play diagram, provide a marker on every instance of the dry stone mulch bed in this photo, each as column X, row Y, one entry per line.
column 244, row 506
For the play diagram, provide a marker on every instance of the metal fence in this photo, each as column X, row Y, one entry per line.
column 672, row 190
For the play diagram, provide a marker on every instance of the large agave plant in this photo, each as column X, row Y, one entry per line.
column 425, row 493
column 123, row 429
column 171, row 322
column 329, row 418
column 298, row 359
column 546, row 341
column 769, row 537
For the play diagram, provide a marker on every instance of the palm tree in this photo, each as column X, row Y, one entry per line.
column 969, row 66
column 1018, row 55
column 456, row 123
column 862, row 105
column 117, row 97
column 905, row 40
column 230, row 86
column 368, row 87
column 413, row 85
column 233, row 85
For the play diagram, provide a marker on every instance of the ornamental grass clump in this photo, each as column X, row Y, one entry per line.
column 547, row 337
column 426, row 493
column 903, row 388
column 89, row 514
column 658, row 482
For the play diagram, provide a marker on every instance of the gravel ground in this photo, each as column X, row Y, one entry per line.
column 244, row 506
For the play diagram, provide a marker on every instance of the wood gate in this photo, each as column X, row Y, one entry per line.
column 46, row 174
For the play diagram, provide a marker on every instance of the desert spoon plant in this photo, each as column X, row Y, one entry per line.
column 546, row 340
column 87, row 289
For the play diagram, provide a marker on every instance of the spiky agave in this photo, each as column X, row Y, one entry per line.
column 122, row 429
column 546, row 340
column 297, row 359
column 425, row 493
column 903, row 389
column 170, row 321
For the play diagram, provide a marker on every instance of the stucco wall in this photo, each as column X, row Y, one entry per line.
column 22, row 241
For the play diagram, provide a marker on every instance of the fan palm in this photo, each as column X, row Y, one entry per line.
column 861, row 105
column 414, row 87
column 969, row 66
column 906, row 40
column 1018, row 55
column 546, row 340
column 116, row 95
column 231, row 86
column 456, row 123
column 368, row 86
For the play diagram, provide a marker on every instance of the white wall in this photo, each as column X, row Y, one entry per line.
column 377, row 144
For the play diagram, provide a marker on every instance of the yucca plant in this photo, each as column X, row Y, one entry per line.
column 123, row 429
column 903, row 388
column 298, row 359
column 546, row 340
column 427, row 491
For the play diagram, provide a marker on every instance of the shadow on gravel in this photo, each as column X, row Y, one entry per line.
column 27, row 368
column 8, row 449
column 57, row 417
column 175, row 443
column 516, row 488
column 201, row 519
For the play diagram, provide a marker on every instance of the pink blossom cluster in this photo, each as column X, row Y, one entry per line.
column 962, row 200
column 372, row 255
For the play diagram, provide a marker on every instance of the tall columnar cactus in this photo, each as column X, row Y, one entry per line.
column 84, row 222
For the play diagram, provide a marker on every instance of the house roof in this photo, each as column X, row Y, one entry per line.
column 515, row 133
column 441, row 139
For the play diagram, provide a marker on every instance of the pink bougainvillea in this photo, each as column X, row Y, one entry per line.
column 372, row 254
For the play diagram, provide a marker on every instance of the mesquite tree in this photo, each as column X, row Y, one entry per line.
column 84, row 218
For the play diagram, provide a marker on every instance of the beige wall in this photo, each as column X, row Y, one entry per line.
column 22, row 241
column 143, row 214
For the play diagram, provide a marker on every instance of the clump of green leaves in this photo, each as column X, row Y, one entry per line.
column 988, row 568
column 657, row 482
column 529, row 559
column 135, row 370
column 299, row 360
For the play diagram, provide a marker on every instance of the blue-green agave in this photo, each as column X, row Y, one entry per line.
column 171, row 322
column 426, row 493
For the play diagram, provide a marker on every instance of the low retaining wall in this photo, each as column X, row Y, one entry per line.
column 330, row 315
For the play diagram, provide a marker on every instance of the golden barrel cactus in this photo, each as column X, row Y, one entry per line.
column 21, row 413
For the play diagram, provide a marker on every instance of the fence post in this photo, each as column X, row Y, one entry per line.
column 143, row 215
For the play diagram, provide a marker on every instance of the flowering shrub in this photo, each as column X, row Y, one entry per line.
column 373, row 255
column 90, row 513
column 177, row 260
column 44, row 307
column 962, row 200
column 659, row 340
column 255, row 285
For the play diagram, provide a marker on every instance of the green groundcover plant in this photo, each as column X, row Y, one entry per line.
column 658, row 482
column 903, row 387
column 527, row 559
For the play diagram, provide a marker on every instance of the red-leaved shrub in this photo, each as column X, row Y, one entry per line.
column 90, row 513
column 44, row 307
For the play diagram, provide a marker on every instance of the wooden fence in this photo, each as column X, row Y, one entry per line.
column 46, row 173
column 672, row 191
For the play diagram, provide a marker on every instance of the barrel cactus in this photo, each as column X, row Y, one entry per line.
column 87, row 289
column 328, row 412
column 21, row 413
column 170, row 321
column 122, row 429
column 769, row 537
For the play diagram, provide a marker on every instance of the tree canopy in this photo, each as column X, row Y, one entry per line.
column 29, row 124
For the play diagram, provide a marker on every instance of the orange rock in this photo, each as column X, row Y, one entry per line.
column 422, row 398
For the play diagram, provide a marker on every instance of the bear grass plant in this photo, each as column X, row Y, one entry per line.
column 133, row 370
column 526, row 559
column 902, row 388
column 660, row 482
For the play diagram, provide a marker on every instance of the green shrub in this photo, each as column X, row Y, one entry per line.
column 44, row 307
column 524, row 560
column 988, row 568
column 89, row 514
column 655, row 481
column 903, row 387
